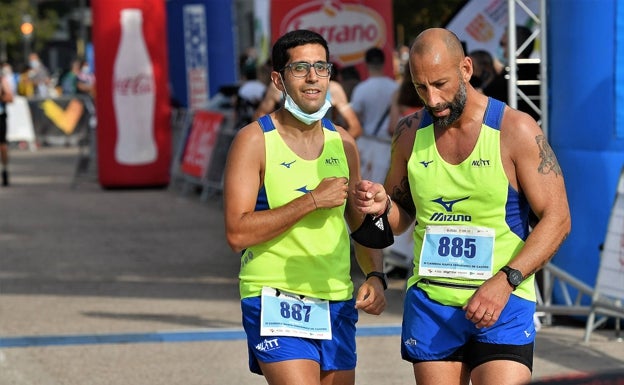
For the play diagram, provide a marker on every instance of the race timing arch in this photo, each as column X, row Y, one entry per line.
column 586, row 120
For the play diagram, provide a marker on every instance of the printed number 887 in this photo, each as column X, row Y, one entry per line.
column 295, row 311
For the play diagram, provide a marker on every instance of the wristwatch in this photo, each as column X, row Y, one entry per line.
column 379, row 275
column 514, row 277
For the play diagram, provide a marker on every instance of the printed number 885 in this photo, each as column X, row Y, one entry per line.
column 457, row 247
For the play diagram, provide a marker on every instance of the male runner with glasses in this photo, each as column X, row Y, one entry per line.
column 286, row 199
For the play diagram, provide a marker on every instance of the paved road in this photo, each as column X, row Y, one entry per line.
column 137, row 287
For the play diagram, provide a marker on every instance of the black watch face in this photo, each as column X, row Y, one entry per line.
column 515, row 277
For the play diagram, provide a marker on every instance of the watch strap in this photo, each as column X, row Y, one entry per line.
column 379, row 275
column 508, row 271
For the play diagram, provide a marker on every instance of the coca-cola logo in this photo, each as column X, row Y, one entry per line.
column 134, row 85
column 350, row 29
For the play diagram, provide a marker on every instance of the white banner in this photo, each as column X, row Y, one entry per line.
column 610, row 281
column 19, row 121
column 481, row 24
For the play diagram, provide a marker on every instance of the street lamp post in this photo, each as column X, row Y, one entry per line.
column 27, row 29
column 82, row 39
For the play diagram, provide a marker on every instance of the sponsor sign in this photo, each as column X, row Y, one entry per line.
column 196, row 55
column 111, row 104
column 481, row 24
column 201, row 143
column 350, row 27
column 610, row 281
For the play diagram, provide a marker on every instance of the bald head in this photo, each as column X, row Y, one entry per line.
column 439, row 42
column 440, row 72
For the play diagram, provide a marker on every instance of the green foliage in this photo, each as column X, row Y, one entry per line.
column 417, row 15
column 11, row 39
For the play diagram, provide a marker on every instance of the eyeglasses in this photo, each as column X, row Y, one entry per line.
column 301, row 69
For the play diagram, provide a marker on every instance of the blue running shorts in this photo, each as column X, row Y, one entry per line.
column 336, row 354
column 435, row 332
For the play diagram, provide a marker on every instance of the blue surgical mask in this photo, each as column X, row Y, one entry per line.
column 302, row 116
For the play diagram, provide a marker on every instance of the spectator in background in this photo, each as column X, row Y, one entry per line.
column 6, row 96
column 70, row 79
column 251, row 89
column 85, row 84
column 341, row 111
column 349, row 77
column 484, row 75
column 250, row 92
column 405, row 102
column 403, row 59
column 371, row 98
column 371, row 101
column 39, row 75
column 25, row 84
column 499, row 88
column 7, row 72
column 78, row 80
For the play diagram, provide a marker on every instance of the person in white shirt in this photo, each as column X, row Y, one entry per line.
column 371, row 100
column 372, row 97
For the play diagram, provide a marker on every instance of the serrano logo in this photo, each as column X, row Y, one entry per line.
column 350, row 29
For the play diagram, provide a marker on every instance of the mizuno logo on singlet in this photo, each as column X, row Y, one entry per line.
column 448, row 205
column 304, row 189
column 425, row 163
column 441, row 217
column 287, row 165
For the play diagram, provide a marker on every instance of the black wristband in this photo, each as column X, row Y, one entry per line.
column 379, row 275
column 386, row 209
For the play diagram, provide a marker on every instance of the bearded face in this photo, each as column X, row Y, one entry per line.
column 456, row 107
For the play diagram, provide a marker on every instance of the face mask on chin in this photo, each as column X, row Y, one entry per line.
column 299, row 114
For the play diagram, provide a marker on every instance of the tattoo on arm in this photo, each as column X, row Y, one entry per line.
column 402, row 193
column 403, row 196
column 549, row 161
column 406, row 123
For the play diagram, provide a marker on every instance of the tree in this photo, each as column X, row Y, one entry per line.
column 11, row 39
column 412, row 17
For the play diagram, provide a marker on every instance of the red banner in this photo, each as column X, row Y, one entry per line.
column 133, row 110
column 349, row 26
column 201, row 143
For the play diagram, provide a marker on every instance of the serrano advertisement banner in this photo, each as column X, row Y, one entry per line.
column 134, row 125
column 349, row 26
